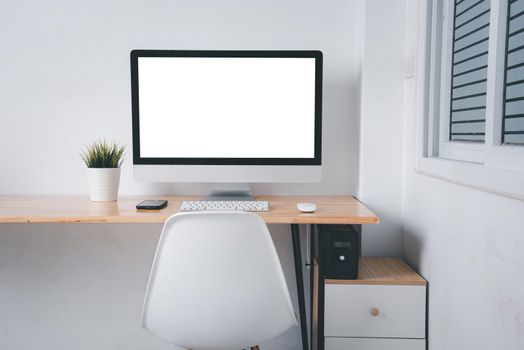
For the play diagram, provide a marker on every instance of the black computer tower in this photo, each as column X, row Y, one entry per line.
column 339, row 251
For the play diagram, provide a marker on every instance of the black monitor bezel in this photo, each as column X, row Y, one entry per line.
column 138, row 160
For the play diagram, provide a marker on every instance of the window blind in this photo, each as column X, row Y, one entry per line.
column 513, row 116
column 469, row 70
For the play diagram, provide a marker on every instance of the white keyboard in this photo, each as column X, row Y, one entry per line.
column 224, row 206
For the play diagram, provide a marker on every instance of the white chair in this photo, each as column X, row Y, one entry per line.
column 217, row 283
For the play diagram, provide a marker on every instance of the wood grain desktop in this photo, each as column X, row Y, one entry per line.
column 79, row 209
column 383, row 271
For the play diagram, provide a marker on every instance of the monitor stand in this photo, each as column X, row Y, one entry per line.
column 230, row 192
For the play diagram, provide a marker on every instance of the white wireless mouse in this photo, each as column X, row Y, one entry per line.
column 306, row 207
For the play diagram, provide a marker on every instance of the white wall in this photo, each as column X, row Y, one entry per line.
column 467, row 243
column 64, row 83
column 382, row 122
column 66, row 79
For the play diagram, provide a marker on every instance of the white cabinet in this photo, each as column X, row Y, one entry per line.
column 359, row 310
column 384, row 309
column 374, row 344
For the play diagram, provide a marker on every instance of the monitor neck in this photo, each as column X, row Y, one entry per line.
column 230, row 192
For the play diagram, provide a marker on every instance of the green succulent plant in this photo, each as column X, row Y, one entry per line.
column 103, row 154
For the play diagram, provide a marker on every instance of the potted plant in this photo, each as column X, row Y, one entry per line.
column 103, row 160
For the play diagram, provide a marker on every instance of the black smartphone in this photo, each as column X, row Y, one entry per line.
column 152, row 204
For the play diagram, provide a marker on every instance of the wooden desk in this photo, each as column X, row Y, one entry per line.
column 78, row 209
column 283, row 210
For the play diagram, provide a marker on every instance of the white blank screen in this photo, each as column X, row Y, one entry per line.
column 215, row 107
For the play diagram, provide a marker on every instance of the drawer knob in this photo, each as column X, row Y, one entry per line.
column 375, row 312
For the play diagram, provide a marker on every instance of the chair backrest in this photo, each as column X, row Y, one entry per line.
column 217, row 283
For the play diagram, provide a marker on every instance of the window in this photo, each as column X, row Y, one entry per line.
column 477, row 80
column 469, row 71
column 513, row 117
column 475, row 91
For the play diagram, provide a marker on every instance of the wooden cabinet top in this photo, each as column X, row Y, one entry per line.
column 380, row 271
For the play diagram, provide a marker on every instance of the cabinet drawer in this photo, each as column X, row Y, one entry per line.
column 374, row 344
column 350, row 309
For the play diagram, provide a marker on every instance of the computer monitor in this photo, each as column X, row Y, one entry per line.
column 226, row 116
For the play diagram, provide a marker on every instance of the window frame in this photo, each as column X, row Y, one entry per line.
column 490, row 166
column 457, row 150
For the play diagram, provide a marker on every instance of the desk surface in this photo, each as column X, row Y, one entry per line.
column 79, row 209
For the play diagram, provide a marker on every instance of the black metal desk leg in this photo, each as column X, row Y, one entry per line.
column 295, row 237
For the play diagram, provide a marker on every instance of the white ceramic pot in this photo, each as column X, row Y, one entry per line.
column 103, row 183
